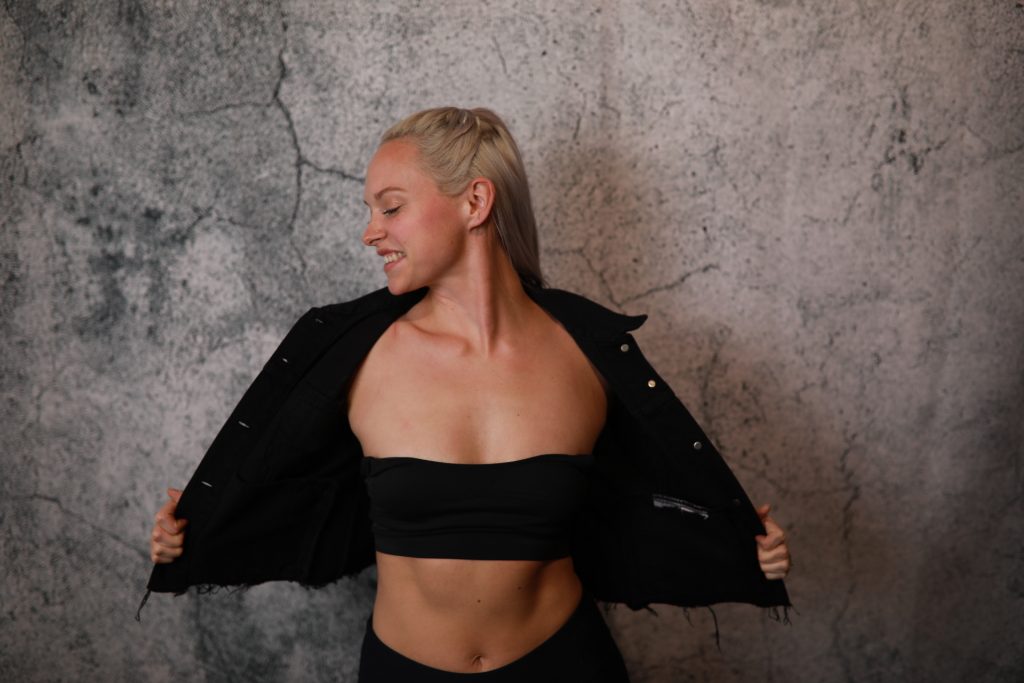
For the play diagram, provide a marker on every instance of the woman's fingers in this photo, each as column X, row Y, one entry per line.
column 773, row 539
column 165, row 520
column 164, row 547
column 776, row 570
column 161, row 537
column 778, row 553
column 781, row 565
column 168, row 538
column 165, row 517
column 165, row 555
column 776, row 563
column 772, row 551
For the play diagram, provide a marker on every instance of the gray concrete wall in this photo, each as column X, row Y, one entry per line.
column 818, row 203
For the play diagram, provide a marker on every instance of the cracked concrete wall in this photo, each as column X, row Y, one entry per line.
column 818, row 203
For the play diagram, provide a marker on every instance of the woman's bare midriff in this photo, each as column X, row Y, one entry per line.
column 471, row 615
column 427, row 394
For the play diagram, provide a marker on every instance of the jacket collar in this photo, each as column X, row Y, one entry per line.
column 577, row 313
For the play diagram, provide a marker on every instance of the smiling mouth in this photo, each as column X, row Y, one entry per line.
column 393, row 256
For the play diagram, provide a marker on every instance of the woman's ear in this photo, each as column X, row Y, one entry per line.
column 481, row 200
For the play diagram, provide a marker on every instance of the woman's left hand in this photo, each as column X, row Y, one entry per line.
column 772, row 552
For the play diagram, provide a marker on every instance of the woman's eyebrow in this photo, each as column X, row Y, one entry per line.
column 381, row 193
column 389, row 188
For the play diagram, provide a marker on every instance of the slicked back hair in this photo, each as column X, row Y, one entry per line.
column 456, row 145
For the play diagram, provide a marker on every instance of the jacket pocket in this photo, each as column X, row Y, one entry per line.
column 665, row 501
column 660, row 500
column 685, row 553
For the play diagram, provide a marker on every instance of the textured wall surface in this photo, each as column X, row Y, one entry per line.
column 818, row 203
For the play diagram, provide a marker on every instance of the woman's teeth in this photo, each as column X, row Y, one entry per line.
column 393, row 256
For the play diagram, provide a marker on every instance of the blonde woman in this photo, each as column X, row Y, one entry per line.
column 501, row 450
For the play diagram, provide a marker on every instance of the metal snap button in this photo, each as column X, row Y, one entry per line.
column 651, row 383
column 624, row 348
column 697, row 445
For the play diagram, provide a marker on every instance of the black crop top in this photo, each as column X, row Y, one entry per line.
column 515, row 510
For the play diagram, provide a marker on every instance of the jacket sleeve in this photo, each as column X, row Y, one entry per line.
column 251, row 520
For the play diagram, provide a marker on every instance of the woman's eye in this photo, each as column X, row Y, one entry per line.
column 391, row 212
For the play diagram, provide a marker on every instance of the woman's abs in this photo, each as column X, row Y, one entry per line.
column 471, row 615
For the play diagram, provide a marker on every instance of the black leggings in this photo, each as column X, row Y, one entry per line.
column 581, row 650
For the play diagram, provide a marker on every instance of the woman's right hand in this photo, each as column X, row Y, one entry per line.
column 167, row 538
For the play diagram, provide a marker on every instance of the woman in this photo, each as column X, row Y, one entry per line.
column 479, row 417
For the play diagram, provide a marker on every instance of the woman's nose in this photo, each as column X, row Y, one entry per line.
column 372, row 233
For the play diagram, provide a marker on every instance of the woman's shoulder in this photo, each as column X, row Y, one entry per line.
column 320, row 325
column 579, row 310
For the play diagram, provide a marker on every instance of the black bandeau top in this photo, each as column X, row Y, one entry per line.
column 515, row 510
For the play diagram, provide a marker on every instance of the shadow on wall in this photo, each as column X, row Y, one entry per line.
column 783, row 447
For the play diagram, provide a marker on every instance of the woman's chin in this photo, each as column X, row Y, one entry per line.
column 401, row 283
column 398, row 286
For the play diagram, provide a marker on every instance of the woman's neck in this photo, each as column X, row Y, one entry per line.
column 481, row 299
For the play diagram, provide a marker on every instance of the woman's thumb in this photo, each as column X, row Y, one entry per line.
column 174, row 494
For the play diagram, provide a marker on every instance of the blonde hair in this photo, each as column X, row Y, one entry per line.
column 456, row 145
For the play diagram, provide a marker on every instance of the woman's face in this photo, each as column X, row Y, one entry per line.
column 418, row 231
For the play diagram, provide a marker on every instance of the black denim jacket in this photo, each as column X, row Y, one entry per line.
column 279, row 494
